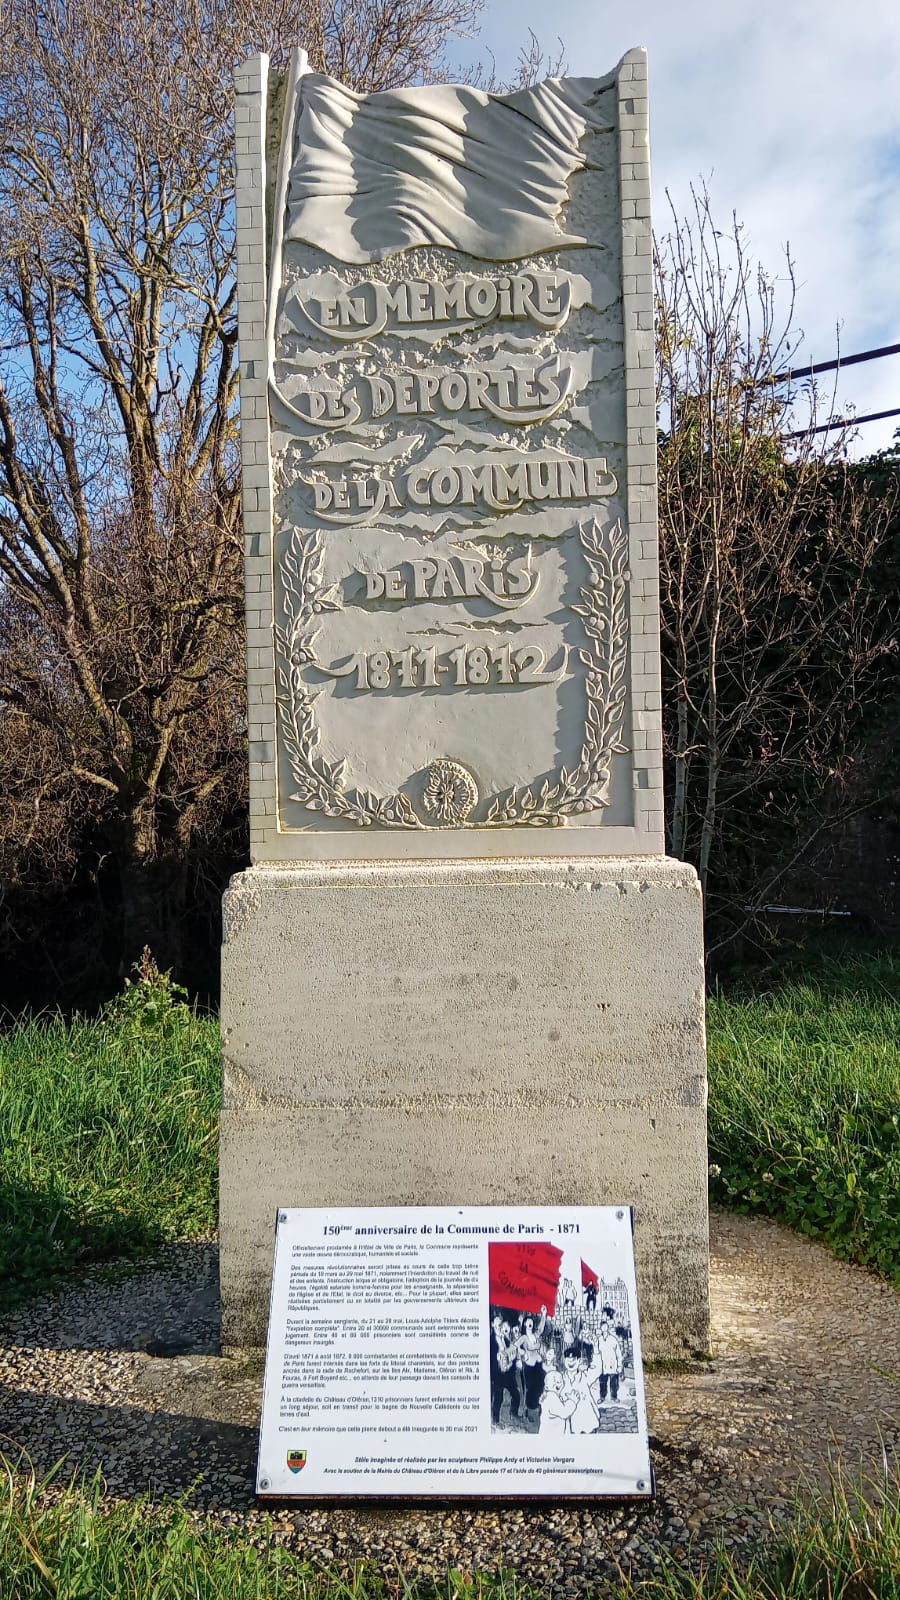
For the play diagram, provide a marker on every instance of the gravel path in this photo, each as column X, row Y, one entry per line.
column 124, row 1375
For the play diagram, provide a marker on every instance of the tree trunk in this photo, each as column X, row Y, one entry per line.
column 707, row 832
column 679, row 804
column 151, row 899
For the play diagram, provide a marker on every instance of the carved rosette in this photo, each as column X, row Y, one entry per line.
column 451, row 793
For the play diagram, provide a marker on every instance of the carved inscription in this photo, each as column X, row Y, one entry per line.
column 511, row 393
column 365, row 310
column 323, row 786
column 502, row 483
column 450, row 539
column 468, row 666
column 504, row 581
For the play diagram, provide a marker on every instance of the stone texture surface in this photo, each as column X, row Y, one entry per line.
column 468, row 1033
column 125, row 1375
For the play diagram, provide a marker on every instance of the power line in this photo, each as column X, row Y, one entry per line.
column 832, row 366
column 842, row 422
column 840, row 362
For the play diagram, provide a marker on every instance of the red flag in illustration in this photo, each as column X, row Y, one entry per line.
column 588, row 1277
column 524, row 1277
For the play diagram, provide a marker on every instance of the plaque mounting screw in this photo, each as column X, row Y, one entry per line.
column 264, row 1483
column 640, row 1483
column 620, row 1215
column 282, row 1216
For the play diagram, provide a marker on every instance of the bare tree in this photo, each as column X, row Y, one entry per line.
column 121, row 707
column 774, row 625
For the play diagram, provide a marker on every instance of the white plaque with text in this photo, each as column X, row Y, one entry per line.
column 429, row 1351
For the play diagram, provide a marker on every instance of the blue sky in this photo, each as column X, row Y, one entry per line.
column 790, row 109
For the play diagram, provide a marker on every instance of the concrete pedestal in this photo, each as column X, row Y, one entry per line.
column 468, row 1033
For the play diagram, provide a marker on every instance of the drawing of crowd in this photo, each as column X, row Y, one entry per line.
column 565, row 1371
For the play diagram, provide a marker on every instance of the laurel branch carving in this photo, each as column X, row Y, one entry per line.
column 586, row 787
column 321, row 784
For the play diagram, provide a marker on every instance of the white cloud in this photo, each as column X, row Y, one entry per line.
column 791, row 109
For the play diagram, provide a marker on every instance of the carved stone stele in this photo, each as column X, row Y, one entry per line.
column 448, row 427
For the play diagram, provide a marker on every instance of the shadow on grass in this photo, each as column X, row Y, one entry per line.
column 838, row 967
column 45, row 1240
column 167, row 1309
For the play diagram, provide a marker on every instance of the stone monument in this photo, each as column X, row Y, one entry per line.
column 460, row 969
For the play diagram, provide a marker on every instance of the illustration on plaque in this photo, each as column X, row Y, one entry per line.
column 561, row 1357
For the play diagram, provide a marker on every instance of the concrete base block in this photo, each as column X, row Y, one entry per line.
column 524, row 1032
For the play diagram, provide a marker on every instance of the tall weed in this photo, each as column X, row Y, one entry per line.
column 107, row 1133
column 804, row 1106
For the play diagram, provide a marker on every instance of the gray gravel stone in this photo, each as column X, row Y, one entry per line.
column 125, row 1376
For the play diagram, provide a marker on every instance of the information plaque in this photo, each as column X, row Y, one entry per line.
column 477, row 1352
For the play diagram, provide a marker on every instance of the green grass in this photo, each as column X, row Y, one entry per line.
column 804, row 1113
column 108, row 1126
column 107, row 1135
column 842, row 1546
